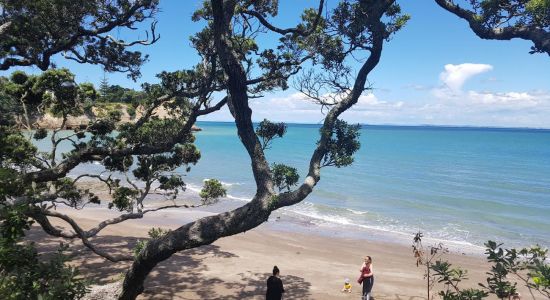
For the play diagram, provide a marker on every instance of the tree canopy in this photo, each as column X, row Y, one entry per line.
column 80, row 30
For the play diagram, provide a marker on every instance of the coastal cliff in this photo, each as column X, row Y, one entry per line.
column 49, row 121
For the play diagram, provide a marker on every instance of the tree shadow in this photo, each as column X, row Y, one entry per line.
column 183, row 276
column 247, row 285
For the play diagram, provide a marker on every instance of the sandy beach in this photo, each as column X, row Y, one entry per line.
column 312, row 266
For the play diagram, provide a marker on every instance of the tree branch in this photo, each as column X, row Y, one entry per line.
column 294, row 30
column 314, row 173
column 539, row 37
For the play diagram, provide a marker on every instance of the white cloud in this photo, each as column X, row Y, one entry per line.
column 448, row 104
column 455, row 76
column 509, row 99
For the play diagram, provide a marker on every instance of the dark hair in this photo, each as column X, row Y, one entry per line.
column 370, row 259
column 275, row 270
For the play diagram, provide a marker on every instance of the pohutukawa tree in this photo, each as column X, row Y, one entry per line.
column 506, row 20
column 141, row 157
column 79, row 30
column 247, row 70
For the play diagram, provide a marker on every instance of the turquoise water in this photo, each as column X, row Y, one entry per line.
column 458, row 184
column 466, row 185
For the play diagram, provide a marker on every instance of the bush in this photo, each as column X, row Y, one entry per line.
column 26, row 275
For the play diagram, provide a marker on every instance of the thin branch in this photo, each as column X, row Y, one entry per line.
column 294, row 30
column 144, row 42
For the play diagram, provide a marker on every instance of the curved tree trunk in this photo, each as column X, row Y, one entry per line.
column 201, row 232
column 207, row 230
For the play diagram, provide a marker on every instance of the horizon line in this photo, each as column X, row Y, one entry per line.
column 410, row 125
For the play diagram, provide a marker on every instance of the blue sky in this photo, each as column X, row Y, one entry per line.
column 435, row 71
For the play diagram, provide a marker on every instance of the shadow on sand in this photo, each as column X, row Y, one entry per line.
column 180, row 277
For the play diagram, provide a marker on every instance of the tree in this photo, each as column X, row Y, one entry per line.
column 284, row 177
column 104, row 87
column 212, row 191
column 24, row 276
column 267, row 131
column 79, row 30
column 19, row 99
column 228, row 28
column 506, row 20
column 38, row 181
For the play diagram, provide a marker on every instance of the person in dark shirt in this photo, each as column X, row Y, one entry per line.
column 275, row 288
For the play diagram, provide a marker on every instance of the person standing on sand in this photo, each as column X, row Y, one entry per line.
column 275, row 288
column 366, row 278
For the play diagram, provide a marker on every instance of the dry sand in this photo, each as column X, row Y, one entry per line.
column 312, row 266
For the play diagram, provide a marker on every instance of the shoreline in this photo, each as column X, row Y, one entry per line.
column 292, row 219
column 236, row 267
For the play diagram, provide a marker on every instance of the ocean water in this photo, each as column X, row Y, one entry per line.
column 459, row 185
column 466, row 185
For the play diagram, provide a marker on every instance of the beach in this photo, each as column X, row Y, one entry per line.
column 459, row 186
column 312, row 266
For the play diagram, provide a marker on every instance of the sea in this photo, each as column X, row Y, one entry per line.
column 460, row 186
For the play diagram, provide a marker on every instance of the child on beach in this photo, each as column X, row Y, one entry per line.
column 347, row 286
column 515, row 296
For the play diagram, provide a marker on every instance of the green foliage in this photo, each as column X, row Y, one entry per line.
column 284, row 176
column 118, row 163
column 426, row 257
column 538, row 268
column 131, row 111
column 539, row 10
column 154, row 233
column 75, row 28
column 102, row 127
column 273, row 202
column 60, row 92
column 87, row 92
column 171, row 182
column 17, row 94
column 267, row 131
column 157, row 232
column 451, row 278
column 123, row 198
column 211, row 191
column 528, row 265
column 154, row 132
column 54, row 91
column 503, row 263
column 26, row 275
column 140, row 245
column 343, row 143
column 67, row 190
column 15, row 149
column 526, row 15
column 118, row 94
column 40, row 133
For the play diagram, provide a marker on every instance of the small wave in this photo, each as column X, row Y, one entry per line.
column 230, row 183
column 238, row 198
column 193, row 188
column 451, row 235
column 225, row 183
column 357, row 212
